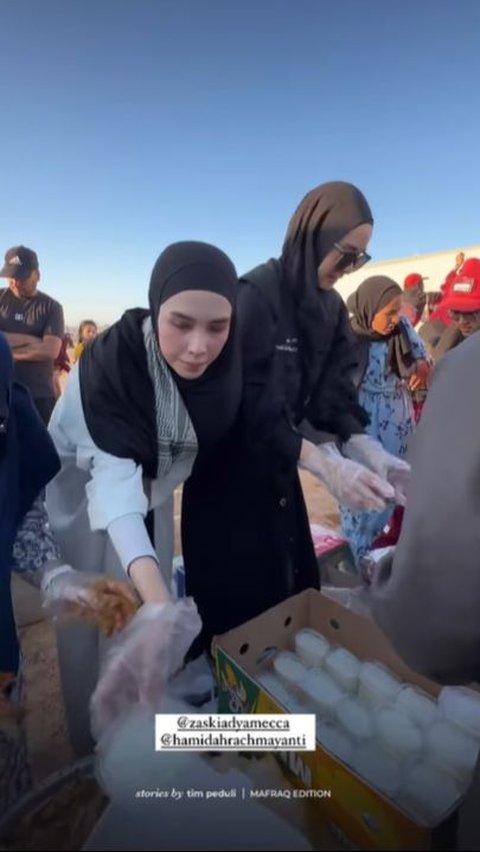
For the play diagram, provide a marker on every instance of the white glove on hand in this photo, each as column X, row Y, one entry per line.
column 140, row 661
column 352, row 484
column 367, row 451
column 109, row 604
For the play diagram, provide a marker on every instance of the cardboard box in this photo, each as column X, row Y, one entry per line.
column 362, row 816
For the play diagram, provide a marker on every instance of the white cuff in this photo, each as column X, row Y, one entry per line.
column 130, row 539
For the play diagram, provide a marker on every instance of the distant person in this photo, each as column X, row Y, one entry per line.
column 463, row 308
column 87, row 331
column 439, row 312
column 434, row 297
column 33, row 325
column 459, row 261
column 414, row 298
column 62, row 365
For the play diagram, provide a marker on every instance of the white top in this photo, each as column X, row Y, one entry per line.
column 117, row 496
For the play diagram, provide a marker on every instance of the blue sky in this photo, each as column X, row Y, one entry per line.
column 129, row 124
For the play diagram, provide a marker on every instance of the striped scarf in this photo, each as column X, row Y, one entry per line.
column 175, row 433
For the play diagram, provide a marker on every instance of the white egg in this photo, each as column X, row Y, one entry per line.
column 344, row 667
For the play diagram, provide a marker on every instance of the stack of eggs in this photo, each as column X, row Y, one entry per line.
column 417, row 751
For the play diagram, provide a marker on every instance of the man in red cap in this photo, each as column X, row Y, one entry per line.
column 462, row 305
column 463, row 301
column 414, row 298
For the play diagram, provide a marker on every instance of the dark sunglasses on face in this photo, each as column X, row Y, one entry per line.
column 350, row 259
column 465, row 315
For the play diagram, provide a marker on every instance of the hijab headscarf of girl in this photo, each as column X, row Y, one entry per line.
column 372, row 296
column 117, row 391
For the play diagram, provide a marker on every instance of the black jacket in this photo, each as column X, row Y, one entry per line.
column 245, row 530
column 286, row 396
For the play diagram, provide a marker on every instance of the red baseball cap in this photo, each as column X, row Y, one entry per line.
column 464, row 291
column 413, row 280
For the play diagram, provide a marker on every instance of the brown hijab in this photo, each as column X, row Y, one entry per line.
column 370, row 297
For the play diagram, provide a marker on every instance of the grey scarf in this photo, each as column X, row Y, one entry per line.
column 175, row 433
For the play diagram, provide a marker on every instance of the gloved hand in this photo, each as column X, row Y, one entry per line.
column 352, row 484
column 142, row 659
column 109, row 604
column 369, row 452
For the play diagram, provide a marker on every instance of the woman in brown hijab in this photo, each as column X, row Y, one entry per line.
column 391, row 358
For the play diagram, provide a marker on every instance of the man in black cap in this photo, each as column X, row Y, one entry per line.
column 33, row 325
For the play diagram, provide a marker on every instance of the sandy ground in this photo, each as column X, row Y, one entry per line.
column 47, row 736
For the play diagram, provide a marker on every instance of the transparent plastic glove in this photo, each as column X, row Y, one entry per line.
column 107, row 603
column 140, row 661
column 367, row 451
column 352, row 484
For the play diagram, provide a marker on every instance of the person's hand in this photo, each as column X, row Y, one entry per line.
column 352, row 484
column 142, row 659
column 108, row 604
column 421, row 377
column 367, row 451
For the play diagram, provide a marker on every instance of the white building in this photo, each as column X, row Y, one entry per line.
column 435, row 267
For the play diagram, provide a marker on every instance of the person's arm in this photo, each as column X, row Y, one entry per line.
column 272, row 436
column 48, row 347
column 334, row 406
column 118, row 504
column 45, row 349
column 115, row 496
column 448, row 339
column 427, row 600
column 16, row 340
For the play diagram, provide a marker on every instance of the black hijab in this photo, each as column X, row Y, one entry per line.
column 116, row 388
column 28, row 461
column 370, row 297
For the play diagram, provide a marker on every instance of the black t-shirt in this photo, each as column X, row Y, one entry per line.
column 38, row 316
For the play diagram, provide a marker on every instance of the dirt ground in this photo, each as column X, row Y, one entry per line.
column 46, row 729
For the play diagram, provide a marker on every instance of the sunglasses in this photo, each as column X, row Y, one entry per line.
column 466, row 315
column 351, row 259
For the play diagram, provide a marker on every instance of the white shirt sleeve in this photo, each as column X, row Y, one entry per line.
column 116, row 499
column 130, row 539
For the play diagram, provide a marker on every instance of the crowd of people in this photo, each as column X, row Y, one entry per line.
column 230, row 385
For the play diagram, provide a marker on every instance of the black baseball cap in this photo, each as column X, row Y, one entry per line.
column 19, row 263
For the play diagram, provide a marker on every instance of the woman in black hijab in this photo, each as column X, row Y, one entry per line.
column 148, row 394
column 248, row 544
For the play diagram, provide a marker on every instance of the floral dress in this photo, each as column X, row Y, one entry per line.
column 387, row 401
